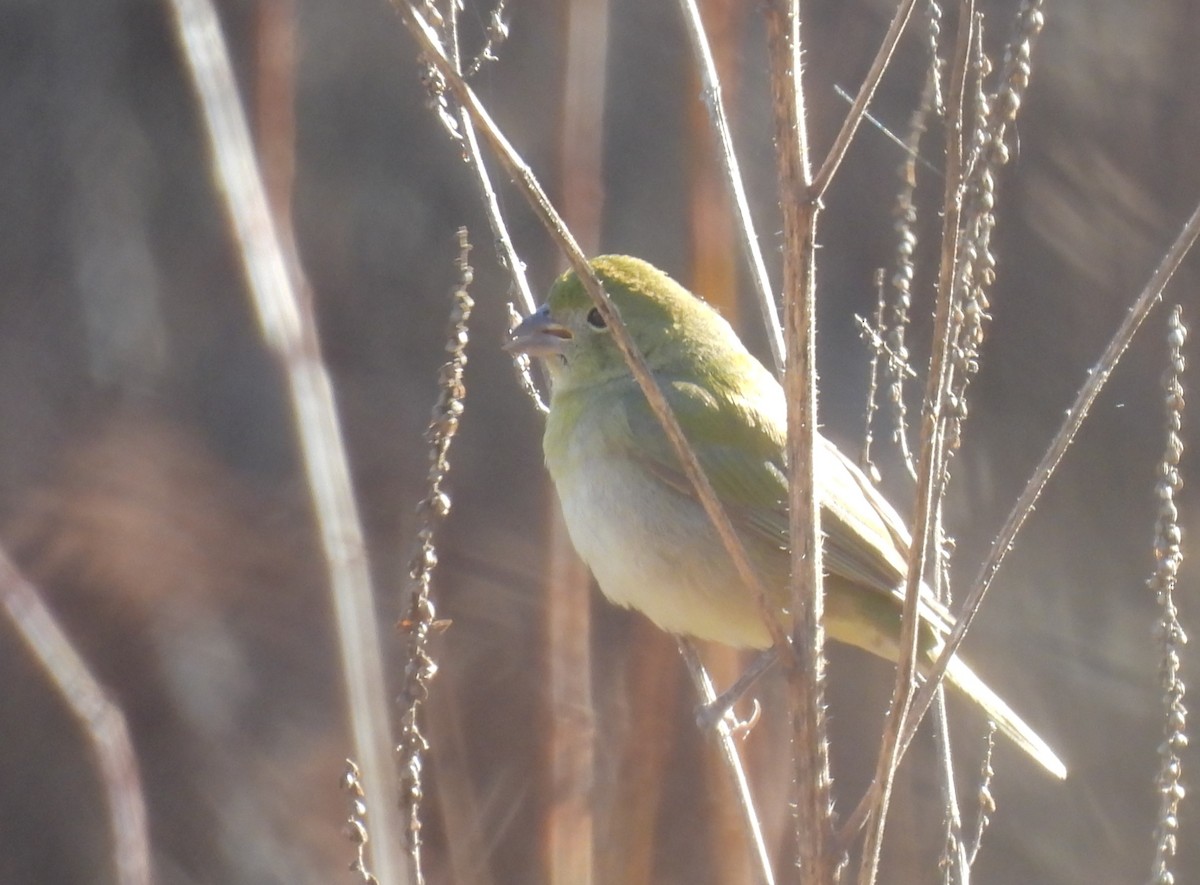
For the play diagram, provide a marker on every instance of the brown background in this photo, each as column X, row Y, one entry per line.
column 149, row 482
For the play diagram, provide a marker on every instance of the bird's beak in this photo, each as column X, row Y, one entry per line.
column 538, row 335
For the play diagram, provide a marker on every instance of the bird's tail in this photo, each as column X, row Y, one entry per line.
column 962, row 676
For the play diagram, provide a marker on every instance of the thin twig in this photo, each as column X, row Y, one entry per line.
column 420, row 622
column 872, row 336
column 285, row 317
column 356, row 823
column 506, row 251
column 882, row 128
column 929, row 478
column 733, row 760
column 987, row 802
column 812, row 785
column 954, row 852
column 866, row 92
column 956, row 869
column 873, row 332
column 702, row 53
column 100, row 718
column 1097, row 377
column 1168, row 554
column 905, row 215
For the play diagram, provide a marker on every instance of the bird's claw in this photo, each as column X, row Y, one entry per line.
column 719, row 713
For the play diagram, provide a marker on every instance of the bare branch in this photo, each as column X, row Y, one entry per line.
column 987, row 803
column 929, row 478
column 1097, row 377
column 100, row 718
column 858, row 110
column 506, row 251
column 904, row 225
column 1168, row 554
column 702, row 52
column 356, row 823
column 283, row 304
column 812, row 781
column 873, row 332
column 420, row 623
column 733, row 760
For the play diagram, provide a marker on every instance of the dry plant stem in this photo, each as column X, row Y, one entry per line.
column 929, row 468
column 954, row 860
column 954, row 853
column 1168, row 555
column 812, row 789
column 733, row 761
column 905, row 227
column 987, row 804
column 419, row 623
column 288, row 327
column 101, row 719
column 527, row 183
column 506, row 251
column 1097, row 377
column 702, row 53
column 933, row 33
column 356, row 823
column 858, row 109
column 873, row 332
column 497, row 35
column 870, row 333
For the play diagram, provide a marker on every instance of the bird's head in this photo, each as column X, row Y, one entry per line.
column 675, row 331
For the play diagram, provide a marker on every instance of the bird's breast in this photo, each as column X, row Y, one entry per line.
column 650, row 547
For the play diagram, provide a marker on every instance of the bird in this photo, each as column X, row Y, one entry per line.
column 636, row 521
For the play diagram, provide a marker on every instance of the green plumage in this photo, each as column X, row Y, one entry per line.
column 634, row 517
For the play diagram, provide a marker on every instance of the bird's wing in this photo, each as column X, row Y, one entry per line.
column 740, row 443
column 741, row 446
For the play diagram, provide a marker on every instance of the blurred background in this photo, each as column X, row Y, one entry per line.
column 150, row 485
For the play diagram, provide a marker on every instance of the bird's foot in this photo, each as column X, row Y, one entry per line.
column 717, row 716
column 720, row 710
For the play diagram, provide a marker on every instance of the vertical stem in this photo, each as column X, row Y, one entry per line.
column 284, row 309
column 1169, row 633
column 813, row 799
column 930, row 474
column 275, row 103
column 704, row 688
column 711, row 86
column 737, row 848
column 929, row 468
column 102, row 721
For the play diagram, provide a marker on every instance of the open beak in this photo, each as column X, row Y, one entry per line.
column 538, row 335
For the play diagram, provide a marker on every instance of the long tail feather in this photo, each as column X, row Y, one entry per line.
column 964, row 678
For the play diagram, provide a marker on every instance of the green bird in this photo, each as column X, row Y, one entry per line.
column 635, row 519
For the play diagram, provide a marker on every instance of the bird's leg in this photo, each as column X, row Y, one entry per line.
column 708, row 715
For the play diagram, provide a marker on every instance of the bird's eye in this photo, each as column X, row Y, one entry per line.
column 595, row 320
